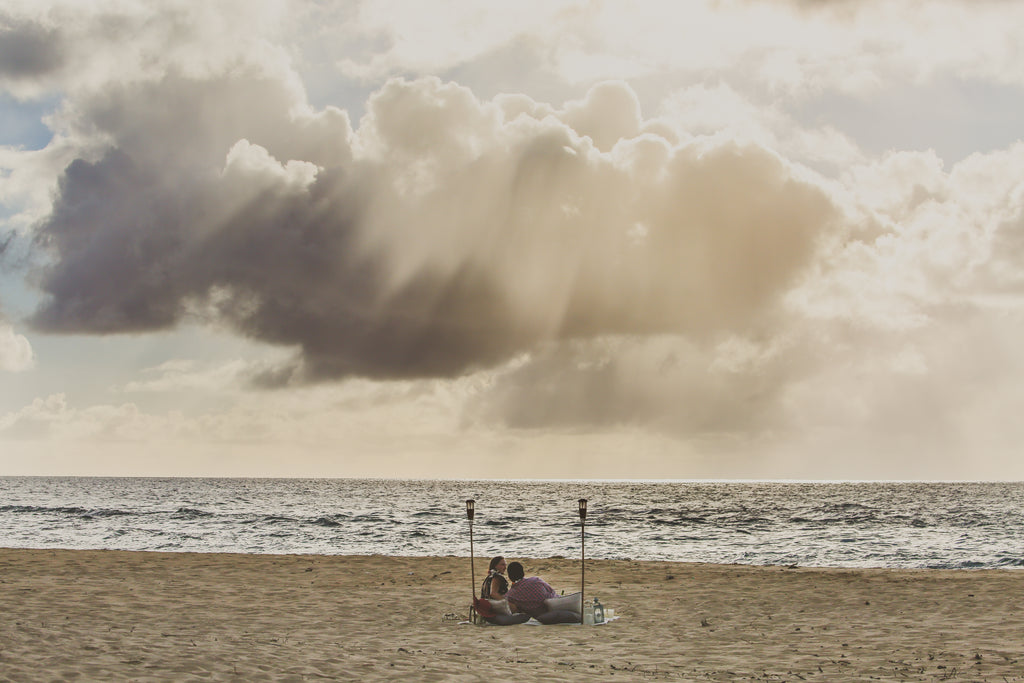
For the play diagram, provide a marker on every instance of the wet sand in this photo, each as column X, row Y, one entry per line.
column 71, row 615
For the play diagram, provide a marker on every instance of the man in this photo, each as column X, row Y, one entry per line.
column 528, row 596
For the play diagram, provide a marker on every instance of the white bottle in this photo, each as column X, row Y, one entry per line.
column 588, row 614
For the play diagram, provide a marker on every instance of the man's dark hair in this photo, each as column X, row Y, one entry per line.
column 515, row 571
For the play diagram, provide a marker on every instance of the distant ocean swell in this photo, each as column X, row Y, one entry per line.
column 941, row 525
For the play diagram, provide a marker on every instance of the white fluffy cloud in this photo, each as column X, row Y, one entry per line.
column 15, row 350
column 794, row 46
column 53, row 417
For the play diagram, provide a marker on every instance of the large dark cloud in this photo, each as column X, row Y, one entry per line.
column 28, row 49
column 444, row 235
column 676, row 386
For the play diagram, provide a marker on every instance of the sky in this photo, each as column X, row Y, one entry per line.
column 557, row 239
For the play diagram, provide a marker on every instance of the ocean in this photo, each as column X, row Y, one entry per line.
column 848, row 524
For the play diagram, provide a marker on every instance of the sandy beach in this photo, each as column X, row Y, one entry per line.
column 110, row 615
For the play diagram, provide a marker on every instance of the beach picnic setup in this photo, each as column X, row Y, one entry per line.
column 531, row 600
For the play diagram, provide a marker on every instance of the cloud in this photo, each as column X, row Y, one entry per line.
column 901, row 328
column 319, row 416
column 797, row 47
column 28, row 50
column 59, row 46
column 53, row 417
column 439, row 237
column 384, row 39
column 586, row 261
column 191, row 376
column 663, row 383
column 15, row 350
column 724, row 112
column 948, row 239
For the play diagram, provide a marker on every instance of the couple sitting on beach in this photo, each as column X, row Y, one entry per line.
column 525, row 598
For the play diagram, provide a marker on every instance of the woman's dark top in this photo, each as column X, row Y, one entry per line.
column 502, row 586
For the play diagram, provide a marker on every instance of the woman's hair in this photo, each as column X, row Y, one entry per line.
column 494, row 562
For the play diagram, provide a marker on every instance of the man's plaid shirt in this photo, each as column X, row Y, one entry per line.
column 529, row 595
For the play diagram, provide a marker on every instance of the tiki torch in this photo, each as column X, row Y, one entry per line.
column 583, row 554
column 470, row 510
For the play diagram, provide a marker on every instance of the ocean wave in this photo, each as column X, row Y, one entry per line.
column 962, row 526
column 278, row 519
column 44, row 509
column 190, row 513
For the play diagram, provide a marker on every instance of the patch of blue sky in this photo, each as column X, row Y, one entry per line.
column 17, row 300
column 21, row 123
column 17, row 297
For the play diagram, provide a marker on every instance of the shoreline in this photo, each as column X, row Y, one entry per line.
column 157, row 616
column 559, row 558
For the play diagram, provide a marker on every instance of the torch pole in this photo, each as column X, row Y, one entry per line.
column 470, row 510
column 583, row 555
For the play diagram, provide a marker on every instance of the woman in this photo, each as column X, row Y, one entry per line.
column 494, row 589
column 495, row 585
